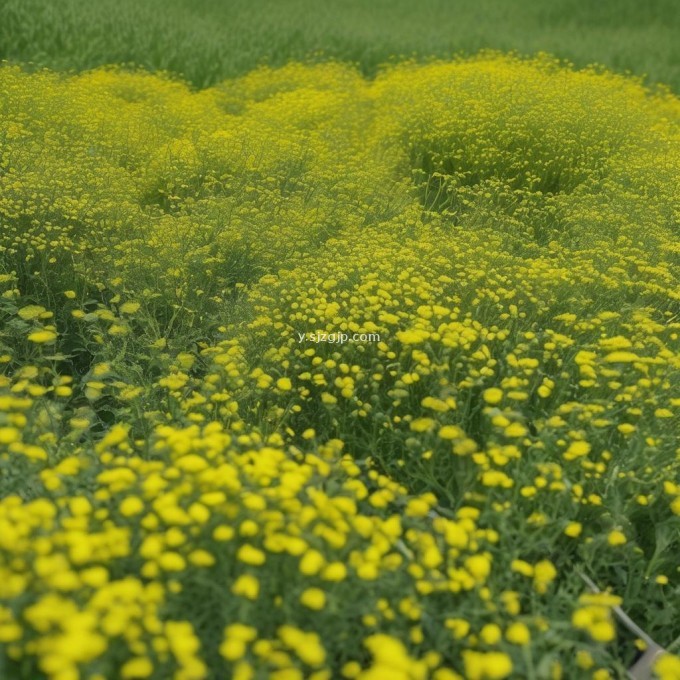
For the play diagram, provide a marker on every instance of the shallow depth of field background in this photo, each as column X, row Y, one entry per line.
column 486, row 193
column 208, row 40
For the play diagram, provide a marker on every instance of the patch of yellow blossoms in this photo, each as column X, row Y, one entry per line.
column 191, row 487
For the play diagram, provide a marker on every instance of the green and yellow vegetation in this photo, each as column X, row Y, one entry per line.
column 189, row 488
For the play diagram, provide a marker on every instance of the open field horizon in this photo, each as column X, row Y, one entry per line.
column 210, row 40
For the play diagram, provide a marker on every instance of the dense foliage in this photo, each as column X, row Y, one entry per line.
column 195, row 482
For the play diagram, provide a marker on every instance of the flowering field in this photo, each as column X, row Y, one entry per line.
column 201, row 478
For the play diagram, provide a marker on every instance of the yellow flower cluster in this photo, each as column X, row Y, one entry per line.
column 199, row 480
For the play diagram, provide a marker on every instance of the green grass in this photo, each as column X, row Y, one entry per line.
column 209, row 40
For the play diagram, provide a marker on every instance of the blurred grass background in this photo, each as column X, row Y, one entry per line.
column 209, row 40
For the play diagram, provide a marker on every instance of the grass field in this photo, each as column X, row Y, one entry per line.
column 208, row 40
column 325, row 371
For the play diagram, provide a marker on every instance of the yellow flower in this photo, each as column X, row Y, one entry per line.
column 573, row 529
column 9, row 435
column 510, row 599
column 436, row 404
column 223, row 533
column 667, row 667
column 311, row 563
column 577, row 449
column 307, row 646
column 10, row 630
column 412, row 337
column 335, row 571
column 459, row 627
column 479, row 566
column 486, row 665
column 451, row 432
column 518, row 633
column 284, row 384
column 248, row 554
column 417, row 507
column 171, row 561
column 584, row 659
column 44, row 337
column 31, row 312
column 675, row 506
column 515, row 430
column 492, row 395
column 422, row 424
column 351, row 669
column 313, row 598
column 387, row 650
column 496, row 478
column 129, row 307
column 544, row 574
column 192, row 463
column 246, row 586
column 616, row 537
column 131, row 506
column 522, row 567
column 663, row 413
column 240, row 631
column 621, row 357
column 490, row 633
column 140, row 667
column 233, row 649
column 201, row 558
